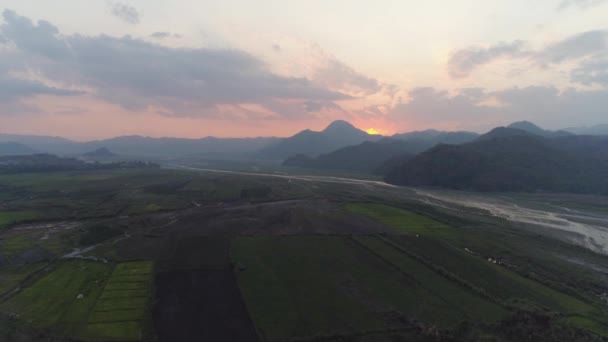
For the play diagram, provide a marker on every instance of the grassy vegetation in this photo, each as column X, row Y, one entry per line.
column 12, row 276
column 496, row 280
column 90, row 194
column 34, row 245
column 53, row 300
column 88, row 299
column 120, row 311
column 292, row 286
column 441, row 247
column 120, row 331
column 15, row 244
column 8, row 218
column 527, row 253
column 306, row 286
column 402, row 220
column 472, row 305
column 111, row 193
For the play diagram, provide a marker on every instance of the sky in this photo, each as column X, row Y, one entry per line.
column 232, row 68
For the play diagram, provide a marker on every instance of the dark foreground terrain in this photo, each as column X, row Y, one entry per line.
column 168, row 255
column 201, row 305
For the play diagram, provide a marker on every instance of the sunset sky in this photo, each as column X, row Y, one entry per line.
column 102, row 68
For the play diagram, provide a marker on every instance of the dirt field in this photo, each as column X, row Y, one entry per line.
column 202, row 253
column 197, row 296
column 200, row 305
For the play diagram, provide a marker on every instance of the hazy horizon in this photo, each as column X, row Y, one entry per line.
column 238, row 69
column 369, row 131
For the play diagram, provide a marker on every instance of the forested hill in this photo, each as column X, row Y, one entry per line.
column 511, row 162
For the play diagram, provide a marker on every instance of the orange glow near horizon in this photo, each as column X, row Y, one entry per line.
column 373, row 131
column 102, row 120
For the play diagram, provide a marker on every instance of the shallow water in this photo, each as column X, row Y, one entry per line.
column 590, row 226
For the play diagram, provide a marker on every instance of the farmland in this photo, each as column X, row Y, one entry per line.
column 164, row 255
column 120, row 312
column 329, row 285
column 88, row 299
column 62, row 298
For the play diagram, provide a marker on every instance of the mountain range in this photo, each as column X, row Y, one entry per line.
column 139, row 146
column 512, row 159
column 518, row 157
column 592, row 130
column 366, row 157
column 371, row 156
column 529, row 127
column 337, row 135
column 14, row 148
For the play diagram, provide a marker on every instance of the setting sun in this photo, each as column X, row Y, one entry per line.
column 372, row 131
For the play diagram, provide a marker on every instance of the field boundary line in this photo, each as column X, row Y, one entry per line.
column 443, row 272
column 417, row 282
column 370, row 250
column 25, row 283
column 90, row 311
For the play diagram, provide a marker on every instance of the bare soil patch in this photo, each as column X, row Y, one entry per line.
column 200, row 305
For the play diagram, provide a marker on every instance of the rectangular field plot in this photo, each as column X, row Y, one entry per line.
column 310, row 286
column 120, row 310
column 496, row 280
column 200, row 305
column 402, row 220
column 62, row 299
column 89, row 300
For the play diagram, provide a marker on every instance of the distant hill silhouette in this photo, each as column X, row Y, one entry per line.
column 534, row 129
column 179, row 147
column 145, row 146
column 44, row 143
column 337, row 135
column 371, row 157
column 511, row 159
column 13, row 148
column 593, row 130
column 432, row 137
column 102, row 152
column 366, row 157
column 503, row 132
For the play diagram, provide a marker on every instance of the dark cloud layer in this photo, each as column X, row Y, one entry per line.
column 588, row 48
column 13, row 89
column 37, row 59
column 592, row 72
column 136, row 74
column 463, row 62
column 580, row 45
column 476, row 107
column 164, row 35
column 126, row 13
